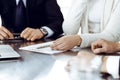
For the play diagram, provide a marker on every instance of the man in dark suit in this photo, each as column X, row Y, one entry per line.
column 40, row 18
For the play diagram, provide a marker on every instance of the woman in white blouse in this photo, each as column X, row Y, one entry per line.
column 93, row 19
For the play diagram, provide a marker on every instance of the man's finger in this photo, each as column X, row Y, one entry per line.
column 1, row 37
column 7, row 33
column 24, row 32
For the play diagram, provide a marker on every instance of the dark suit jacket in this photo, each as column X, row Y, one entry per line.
column 39, row 13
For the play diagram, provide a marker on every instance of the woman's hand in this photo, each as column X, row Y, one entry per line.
column 66, row 42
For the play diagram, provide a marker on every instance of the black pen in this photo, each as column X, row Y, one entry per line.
column 16, row 34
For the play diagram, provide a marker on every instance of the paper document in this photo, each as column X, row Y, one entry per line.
column 41, row 48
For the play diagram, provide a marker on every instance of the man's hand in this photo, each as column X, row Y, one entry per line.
column 5, row 34
column 66, row 42
column 104, row 46
column 31, row 34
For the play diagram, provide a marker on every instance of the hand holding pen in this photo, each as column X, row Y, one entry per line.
column 5, row 34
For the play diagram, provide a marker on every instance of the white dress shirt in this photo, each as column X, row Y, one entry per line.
column 50, row 32
column 24, row 1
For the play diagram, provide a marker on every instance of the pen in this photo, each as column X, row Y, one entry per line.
column 43, row 46
column 16, row 34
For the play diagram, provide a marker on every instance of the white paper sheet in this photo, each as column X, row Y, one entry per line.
column 41, row 48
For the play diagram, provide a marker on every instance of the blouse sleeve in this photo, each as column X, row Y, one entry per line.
column 71, row 23
column 111, row 32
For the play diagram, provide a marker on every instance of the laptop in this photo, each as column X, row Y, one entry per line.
column 8, row 53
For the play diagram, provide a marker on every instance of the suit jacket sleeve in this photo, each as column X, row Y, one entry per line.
column 54, row 16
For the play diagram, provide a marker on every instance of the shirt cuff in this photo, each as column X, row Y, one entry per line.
column 112, row 66
column 50, row 31
column 85, row 40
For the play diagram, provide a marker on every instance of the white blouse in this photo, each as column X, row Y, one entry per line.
column 87, row 16
column 95, row 15
column 82, row 18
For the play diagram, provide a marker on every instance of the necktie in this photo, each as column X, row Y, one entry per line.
column 20, row 17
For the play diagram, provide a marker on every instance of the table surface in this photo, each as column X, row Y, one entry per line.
column 31, row 64
column 35, row 66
